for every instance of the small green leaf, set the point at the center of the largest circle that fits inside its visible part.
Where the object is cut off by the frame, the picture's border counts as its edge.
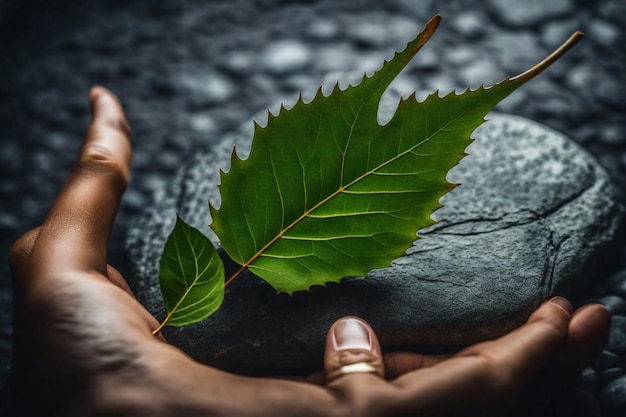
(191, 276)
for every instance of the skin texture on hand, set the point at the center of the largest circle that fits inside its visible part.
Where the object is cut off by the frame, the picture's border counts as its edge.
(83, 346)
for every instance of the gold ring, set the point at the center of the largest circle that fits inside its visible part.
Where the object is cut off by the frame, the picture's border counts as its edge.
(359, 367)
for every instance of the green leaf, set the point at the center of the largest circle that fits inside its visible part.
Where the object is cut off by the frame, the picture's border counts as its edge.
(327, 192)
(191, 276)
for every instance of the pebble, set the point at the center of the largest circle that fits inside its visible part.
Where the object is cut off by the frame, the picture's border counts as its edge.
(286, 56)
(133, 199)
(611, 10)
(615, 304)
(337, 58)
(610, 375)
(470, 24)
(323, 30)
(617, 340)
(479, 72)
(516, 52)
(613, 135)
(555, 33)
(368, 33)
(589, 379)
(238, 63)
(205, 88)
(202, 122)
(604, 33)
(613, 398)
(616, 284)
(7, 220)
(610, 91)
(517, 13)
(581, 76)
(579, 403)
(377, 31)
(11, 157)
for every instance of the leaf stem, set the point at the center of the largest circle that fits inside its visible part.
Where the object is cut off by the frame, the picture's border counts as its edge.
(163, 323)
(550, 59)
(235, 275)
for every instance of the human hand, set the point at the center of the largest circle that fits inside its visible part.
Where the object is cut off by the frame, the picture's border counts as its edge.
(83, 345)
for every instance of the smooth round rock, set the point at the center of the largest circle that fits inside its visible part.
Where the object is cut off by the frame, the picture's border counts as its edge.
(615, 304)
(579, 403)
(529, 12)
(607, 360)
(532, 215)
(617, 339)
(613, 398)
(589, 380)
(616, 283)
(610, 375)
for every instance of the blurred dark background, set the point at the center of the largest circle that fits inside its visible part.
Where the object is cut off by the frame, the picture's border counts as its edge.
(187, 71)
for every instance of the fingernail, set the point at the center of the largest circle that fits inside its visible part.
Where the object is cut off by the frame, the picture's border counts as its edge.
(351, 334)
(563, 303)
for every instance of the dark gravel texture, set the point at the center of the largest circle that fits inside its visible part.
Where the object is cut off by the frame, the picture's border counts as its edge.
(188, 71)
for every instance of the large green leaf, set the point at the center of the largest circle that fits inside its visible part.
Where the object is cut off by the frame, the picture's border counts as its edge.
(327, 192)
(191, 276)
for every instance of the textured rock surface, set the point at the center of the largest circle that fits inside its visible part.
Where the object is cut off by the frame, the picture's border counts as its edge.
(533, 210)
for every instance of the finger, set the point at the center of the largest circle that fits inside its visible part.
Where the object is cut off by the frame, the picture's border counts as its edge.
(395, 365)
(399, 363)
(352, 348)
(76, 232)
(117, 279)
(21, 249)
(588, 335)
(525, 349)
(490, 372)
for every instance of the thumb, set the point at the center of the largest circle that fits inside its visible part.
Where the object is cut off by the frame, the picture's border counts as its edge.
(352, 348)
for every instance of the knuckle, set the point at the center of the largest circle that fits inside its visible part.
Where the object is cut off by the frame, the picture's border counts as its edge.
(501, 381)
(22, 247)
(361, 399)
(555, 327)
(498, 379)
(100, 160)
(118, 125)
(351, 357)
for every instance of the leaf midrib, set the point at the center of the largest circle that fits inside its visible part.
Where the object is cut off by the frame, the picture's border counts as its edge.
(195, 280)
(342, 188)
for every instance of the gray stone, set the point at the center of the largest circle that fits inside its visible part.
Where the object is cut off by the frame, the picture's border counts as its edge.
(589, 379)
(286, 56)
(613, 398)
(617, 339)
(323, 30)
(604, 33)
(470, 24)
(615, 304)
(616, 283)
(532, 211)
(517, 13)
(609, 375)
(578, 403)
(607, 360)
